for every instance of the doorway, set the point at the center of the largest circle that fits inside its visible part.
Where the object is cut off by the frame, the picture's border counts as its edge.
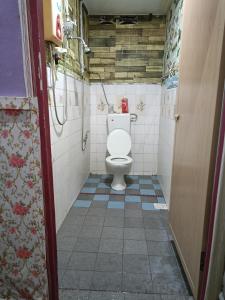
(112, 244)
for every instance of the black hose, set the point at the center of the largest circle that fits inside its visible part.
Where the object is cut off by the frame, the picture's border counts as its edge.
(53, 92)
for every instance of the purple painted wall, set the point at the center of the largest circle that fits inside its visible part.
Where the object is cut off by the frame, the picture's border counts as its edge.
(11, 60)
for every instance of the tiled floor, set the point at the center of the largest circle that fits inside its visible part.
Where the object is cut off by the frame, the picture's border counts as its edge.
(116, 246)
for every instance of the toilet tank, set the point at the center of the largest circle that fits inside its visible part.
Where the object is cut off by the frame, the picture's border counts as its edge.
(119, 121)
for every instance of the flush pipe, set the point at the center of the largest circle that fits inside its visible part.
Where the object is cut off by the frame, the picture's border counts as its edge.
(84, 136)
(83, 44)
(110, 106)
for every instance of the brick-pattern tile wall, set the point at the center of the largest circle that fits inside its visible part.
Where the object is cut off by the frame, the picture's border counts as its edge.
(127, 53)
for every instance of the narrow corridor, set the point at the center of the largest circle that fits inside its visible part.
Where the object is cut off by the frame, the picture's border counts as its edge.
(116, 245)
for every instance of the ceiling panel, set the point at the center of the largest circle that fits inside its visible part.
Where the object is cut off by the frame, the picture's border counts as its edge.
(127, 7)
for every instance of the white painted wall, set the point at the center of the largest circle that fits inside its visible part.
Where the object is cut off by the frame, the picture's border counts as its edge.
(166, 140)
(70, 165)
(144, 132)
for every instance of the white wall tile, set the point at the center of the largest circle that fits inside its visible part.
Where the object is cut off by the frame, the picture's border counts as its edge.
(70, 165)
(166, 140)
(144, 133)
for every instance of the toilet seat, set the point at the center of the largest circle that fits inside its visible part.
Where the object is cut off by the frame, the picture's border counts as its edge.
(119, 160)
(119, 143)
(118, 163)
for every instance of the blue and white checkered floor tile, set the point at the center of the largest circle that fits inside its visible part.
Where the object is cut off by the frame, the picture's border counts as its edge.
(141, 192)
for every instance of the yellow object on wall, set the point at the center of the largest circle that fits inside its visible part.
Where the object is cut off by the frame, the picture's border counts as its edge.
(53, 21)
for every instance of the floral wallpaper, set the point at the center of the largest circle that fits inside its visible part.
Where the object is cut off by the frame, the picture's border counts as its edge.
(23, 272)
(173, 43)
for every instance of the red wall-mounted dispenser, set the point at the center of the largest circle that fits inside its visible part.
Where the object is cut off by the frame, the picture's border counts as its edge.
(124, 105)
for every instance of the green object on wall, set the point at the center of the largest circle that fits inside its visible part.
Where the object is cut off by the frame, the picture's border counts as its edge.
(173, 38)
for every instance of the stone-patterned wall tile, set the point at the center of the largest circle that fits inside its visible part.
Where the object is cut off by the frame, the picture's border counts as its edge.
(127, 53)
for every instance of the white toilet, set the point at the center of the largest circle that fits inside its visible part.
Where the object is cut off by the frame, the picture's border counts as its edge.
(119, 146)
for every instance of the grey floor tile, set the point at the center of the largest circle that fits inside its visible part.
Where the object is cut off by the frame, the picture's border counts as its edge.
(69, 230)
(94, 221)
(80, 237)
(90, 232)
(160, 248)
(133, 223)
(60, 294)
(134, 234)
(66, 243)
(138, 283)
(113, 192)
(115, 212)
(109, 262)
(134, 206)
(148, 199)
(78, 211)
(116, 198)
(132, 192)
(136, 263)
(157, 235)
(154, 223)
(133, 213)
(129, 296)
(107, 281)
(151, 213)
(61, 273)
(97, 212)
(106, 296)
(130, 181)
(147, 186)
(135, 247)
(166, 265)
(169, 233)
(73, 221)
(82, 261)
(63, 258)
(99, 204)
(111, 246)
(112, 233)
(89, 185)
(113, 221)
(176, 297)
(102, 191)
(74, 295)
(87, 245)
(85, 197)
(169, 285)
(164, 214)
(77, 280)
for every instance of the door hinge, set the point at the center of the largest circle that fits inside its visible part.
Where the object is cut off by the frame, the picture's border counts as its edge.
(202, 261)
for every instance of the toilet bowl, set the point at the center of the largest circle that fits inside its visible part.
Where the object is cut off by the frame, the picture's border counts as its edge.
(118, 163)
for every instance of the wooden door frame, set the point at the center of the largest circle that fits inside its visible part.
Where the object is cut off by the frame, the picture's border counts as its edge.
(209, 260)
(36, 29)
(216, 180)
(39, 77)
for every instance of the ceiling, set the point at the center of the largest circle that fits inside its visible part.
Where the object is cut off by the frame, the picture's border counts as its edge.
(127, 7)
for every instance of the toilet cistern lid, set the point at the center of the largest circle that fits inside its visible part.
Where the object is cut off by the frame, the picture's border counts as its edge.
(119, 142)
